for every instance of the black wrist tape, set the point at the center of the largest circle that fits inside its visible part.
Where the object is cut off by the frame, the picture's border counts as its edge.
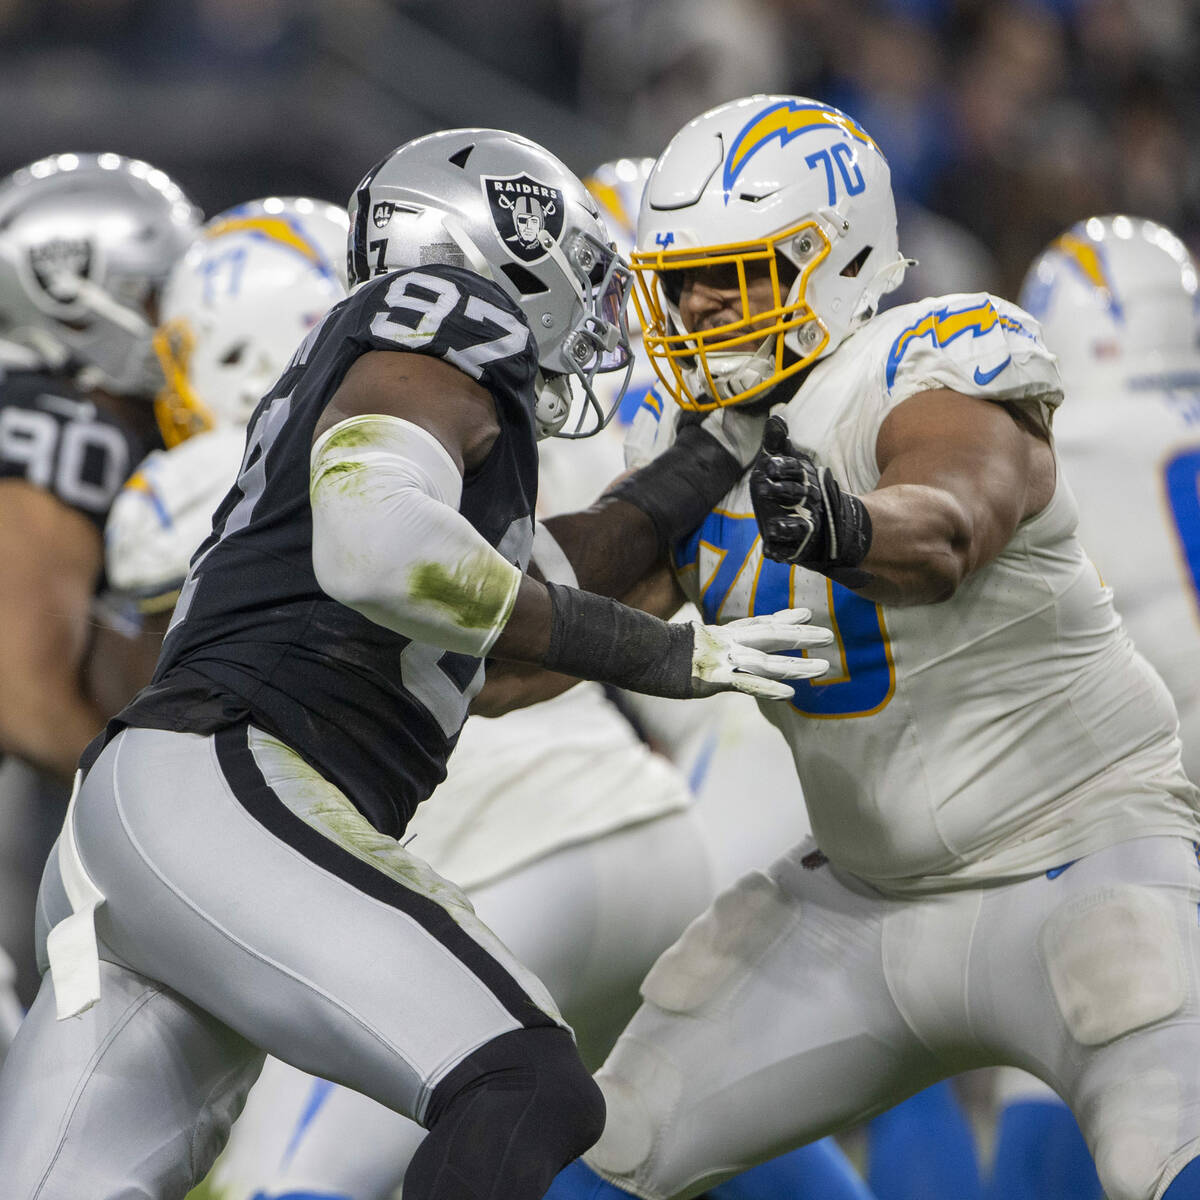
(593, 637)
(679, 488)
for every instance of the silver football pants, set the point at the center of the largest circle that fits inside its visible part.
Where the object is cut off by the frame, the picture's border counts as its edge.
(249, 908)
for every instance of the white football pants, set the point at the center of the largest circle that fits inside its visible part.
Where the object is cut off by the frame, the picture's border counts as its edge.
(803, 1001)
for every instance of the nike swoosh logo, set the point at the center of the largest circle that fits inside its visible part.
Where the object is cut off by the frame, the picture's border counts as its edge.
(983, 378)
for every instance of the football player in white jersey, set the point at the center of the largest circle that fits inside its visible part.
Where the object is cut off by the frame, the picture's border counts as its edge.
(1116, 299)
(575, 843)
(1004, 867)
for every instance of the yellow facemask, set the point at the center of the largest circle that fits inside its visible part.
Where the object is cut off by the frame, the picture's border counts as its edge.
(180, 413)
(682, 360)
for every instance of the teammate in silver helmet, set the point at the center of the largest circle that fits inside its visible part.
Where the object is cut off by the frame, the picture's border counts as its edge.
(85, 242)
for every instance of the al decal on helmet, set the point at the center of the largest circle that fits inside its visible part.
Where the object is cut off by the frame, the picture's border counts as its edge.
(522, 208)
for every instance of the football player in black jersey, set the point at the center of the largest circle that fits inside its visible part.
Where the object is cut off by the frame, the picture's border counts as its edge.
(85, 242)
(229, 879)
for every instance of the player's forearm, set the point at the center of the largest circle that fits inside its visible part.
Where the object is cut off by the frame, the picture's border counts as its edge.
(624, 537)
(921, 548)
(611, 546)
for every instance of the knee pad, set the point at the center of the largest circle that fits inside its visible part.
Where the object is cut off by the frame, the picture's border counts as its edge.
(529, 1079)
(642, 1089)
(1132, 1130)
(1115, 962)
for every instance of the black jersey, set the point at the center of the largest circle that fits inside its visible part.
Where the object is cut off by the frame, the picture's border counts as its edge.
(255, 638)
(58, 440)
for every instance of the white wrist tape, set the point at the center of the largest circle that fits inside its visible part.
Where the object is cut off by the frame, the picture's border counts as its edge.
(390, 543)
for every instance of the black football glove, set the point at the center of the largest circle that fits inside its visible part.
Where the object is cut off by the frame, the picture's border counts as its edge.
(803, 515)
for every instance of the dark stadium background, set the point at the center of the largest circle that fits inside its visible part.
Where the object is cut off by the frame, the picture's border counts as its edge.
(1007, 118)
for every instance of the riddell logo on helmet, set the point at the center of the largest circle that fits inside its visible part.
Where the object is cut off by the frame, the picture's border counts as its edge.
(56, 265)
(522, 209)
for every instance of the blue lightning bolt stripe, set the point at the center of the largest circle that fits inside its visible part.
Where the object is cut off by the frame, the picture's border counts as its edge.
(785, 120)
(942, 326)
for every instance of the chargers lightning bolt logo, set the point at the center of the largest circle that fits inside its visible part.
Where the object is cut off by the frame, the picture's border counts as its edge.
(944, 325)
(785, 121)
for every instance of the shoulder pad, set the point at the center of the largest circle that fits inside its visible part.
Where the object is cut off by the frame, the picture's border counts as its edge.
(164, 512)
(978, 345)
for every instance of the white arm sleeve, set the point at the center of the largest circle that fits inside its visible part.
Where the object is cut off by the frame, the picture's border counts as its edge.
(390, 543)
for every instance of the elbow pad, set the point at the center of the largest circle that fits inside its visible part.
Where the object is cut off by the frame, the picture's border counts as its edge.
(389, 541)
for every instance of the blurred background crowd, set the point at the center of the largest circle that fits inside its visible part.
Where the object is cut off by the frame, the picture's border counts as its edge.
(1003, 120)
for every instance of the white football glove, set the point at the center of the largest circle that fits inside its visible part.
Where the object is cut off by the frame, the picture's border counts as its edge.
(743, 656)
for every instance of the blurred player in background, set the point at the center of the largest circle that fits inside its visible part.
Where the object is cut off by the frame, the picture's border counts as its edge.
(1004, 867)
(579, 847)
(217, 894)
(251, 286)
(1117, 300)
(86, 241)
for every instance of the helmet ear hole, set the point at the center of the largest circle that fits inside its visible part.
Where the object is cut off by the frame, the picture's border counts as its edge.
(855, 265)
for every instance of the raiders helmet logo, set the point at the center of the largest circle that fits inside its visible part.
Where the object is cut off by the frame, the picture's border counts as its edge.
(56, 264)
(522, 210)
(381, 214)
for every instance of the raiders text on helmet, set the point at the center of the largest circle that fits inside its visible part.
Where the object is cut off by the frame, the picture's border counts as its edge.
(787, 183)
(500, 205)
(86, 241)
(252, 284)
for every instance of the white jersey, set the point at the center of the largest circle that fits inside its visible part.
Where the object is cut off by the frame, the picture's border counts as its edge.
(1129, 439)
(1004, 732)
(518, 786)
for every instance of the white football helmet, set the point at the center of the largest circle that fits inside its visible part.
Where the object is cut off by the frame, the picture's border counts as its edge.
(1113, 287)
(783, 180)
(86, 241)
(501, 206)
(256, 279)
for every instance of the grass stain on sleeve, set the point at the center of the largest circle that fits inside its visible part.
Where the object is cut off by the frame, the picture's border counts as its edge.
(477, 592)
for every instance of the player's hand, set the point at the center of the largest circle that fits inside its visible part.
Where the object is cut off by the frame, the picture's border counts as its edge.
(744, 656)
(803, 515)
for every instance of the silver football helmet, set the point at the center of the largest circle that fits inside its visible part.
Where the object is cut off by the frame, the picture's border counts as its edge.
(86, 241)
(501, 206)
